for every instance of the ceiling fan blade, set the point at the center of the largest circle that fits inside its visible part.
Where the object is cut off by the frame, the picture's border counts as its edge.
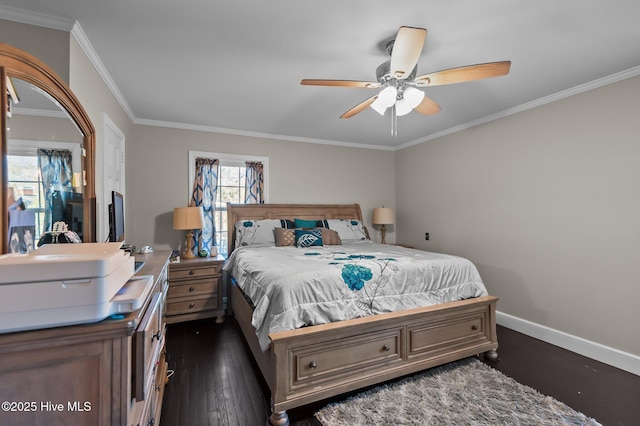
(406, 51)
(427, 107)
(359, 108)
(341, 83)
(464, 74)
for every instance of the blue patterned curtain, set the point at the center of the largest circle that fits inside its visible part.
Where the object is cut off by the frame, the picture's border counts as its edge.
(254, 183)
(205, 188)
(57, 173)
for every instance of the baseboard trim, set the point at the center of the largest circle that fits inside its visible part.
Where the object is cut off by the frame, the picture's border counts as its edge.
(614, 357)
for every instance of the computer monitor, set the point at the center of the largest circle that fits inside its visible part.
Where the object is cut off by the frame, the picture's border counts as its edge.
(116, 217)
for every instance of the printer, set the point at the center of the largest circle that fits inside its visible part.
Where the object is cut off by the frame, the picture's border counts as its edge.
(66, 284)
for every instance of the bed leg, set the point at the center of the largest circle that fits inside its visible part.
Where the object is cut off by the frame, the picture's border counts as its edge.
(492, 355)
(280, 418)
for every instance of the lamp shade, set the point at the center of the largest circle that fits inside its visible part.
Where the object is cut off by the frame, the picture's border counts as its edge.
(188, 218)
(411, 98)
(383, 216)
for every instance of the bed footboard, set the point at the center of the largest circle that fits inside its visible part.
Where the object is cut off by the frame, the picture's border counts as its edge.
(314, 363)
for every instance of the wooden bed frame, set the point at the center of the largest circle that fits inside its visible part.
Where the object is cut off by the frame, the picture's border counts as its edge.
(318, 362)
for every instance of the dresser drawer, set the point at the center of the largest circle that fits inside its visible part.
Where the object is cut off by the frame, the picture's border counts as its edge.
(192, 305)
(206, 286)
(186, 271)
(148, 341)
(345, 358)
(429, 339)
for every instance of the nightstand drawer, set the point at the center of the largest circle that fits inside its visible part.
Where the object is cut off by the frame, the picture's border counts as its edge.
(200, 287)
(193, 305)
(180, 272)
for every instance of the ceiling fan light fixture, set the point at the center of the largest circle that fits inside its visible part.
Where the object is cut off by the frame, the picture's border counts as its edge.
(403, 107)
(378, 107)
(411, 98)
(386, 98)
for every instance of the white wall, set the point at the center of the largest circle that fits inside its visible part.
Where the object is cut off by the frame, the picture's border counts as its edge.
(157, 169)
(546, 203)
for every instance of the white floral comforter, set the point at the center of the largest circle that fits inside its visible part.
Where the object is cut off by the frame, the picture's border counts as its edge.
(292, 287)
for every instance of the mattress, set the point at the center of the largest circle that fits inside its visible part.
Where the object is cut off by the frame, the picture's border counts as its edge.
(293, 287)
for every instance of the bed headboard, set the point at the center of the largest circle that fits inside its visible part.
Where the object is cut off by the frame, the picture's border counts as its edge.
(236, 212)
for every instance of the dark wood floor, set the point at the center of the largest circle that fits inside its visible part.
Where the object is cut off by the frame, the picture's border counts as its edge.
(216, 382)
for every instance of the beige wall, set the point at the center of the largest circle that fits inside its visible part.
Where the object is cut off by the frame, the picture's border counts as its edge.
(545, 202)
(157, 181)
(97, 99)
(50, 46)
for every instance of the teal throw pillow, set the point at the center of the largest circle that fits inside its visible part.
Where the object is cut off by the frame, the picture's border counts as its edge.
(307, 224)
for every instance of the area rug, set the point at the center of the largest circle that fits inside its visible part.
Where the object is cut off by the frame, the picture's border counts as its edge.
(466, 392)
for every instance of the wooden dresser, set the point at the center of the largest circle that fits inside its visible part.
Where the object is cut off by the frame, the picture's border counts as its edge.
(107, 373)
(195, 289)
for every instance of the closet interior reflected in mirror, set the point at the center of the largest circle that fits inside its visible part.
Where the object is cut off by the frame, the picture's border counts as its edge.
(47, 147)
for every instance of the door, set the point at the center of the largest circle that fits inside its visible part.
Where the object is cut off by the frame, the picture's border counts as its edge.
(114, 171)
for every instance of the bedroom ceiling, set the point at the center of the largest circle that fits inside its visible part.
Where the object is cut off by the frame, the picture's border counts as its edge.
(236, 67)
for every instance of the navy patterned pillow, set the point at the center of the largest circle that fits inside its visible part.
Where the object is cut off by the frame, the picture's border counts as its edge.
(308, 237)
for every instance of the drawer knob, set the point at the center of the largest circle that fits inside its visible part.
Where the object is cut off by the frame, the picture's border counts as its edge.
(313, 365)
(157, 335)
(192, 305)
(386, 348)
(191, 272)
(191, 289)
(474, 327)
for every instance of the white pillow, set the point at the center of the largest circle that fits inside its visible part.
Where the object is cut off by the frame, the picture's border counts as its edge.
(257, 233)
(348, 229)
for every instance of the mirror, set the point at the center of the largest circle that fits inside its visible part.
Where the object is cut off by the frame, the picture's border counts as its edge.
(48, 155)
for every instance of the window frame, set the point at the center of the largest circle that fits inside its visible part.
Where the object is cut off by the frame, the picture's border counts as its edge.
(29, 148)
(233, 160)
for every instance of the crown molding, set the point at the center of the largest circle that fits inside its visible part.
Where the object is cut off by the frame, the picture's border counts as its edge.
(78, 33)
(74, 27)
(40, 112)
(39, 19)
(613, 78)
(221, 130)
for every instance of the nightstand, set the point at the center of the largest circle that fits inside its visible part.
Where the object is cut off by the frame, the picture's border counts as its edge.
(195, 290)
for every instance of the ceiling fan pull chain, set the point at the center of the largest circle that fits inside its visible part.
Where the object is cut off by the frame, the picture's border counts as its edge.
(394, 122)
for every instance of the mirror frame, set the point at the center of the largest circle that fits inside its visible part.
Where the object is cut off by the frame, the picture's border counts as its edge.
(22, 65)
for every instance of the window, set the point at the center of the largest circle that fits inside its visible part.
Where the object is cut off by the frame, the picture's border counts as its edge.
(25, 181)
(231, 187)
(23, 174)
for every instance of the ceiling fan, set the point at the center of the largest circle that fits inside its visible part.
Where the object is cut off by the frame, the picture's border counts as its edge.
(400, 86)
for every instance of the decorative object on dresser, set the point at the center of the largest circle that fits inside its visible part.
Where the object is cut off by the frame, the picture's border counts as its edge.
(188, 219)
(383, 216)
(195, 289)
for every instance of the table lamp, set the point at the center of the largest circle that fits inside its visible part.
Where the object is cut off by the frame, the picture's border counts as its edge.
(188, 218)
(383, 216)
